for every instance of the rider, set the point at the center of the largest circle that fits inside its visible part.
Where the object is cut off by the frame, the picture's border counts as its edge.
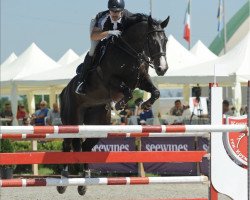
(105, 24)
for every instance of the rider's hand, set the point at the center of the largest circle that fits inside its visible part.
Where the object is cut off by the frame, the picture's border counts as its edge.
(116, 33)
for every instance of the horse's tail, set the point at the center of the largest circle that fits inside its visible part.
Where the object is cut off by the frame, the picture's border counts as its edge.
(65, 102)
(63, 108)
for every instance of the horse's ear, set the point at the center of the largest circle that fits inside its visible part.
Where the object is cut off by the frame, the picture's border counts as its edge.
(150, 20)
(165, 23)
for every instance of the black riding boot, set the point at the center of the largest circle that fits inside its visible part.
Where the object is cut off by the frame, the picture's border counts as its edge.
(81, 85)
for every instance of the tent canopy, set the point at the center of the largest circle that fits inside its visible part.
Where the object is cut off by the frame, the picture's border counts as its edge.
(32, 60)
(69, 57)
(9, 60)
(229, 68)
(56, 76)
(202, 52)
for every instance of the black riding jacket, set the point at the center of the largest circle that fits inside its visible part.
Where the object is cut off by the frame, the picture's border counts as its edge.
(105, 23)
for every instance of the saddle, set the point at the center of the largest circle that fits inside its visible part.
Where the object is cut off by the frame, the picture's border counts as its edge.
(98, 55)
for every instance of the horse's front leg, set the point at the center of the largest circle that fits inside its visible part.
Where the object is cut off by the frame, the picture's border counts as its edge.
(147, 85)
(127, 92)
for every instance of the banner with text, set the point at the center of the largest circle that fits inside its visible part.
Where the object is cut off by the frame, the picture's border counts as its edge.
(169, 144)
(115, 144)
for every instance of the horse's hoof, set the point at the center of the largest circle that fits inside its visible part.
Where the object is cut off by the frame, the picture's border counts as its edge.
(61, 189)
(81, 190)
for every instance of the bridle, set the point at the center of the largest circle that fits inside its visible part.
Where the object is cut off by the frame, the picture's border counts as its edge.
(153, 55)
(141, 56)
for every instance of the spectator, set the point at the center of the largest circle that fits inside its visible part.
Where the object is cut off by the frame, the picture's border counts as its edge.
(7, 114)
(39, 116)
(246, 111)
(144, 115)
(178, 108)
(21, 112)
(54, 117)
(225, 108)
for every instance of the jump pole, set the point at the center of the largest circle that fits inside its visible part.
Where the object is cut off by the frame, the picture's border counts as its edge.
(99, 130)
(101, 181)
(16, 136)
(100, 157)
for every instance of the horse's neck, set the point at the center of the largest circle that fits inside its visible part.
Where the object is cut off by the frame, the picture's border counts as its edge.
(136, 34)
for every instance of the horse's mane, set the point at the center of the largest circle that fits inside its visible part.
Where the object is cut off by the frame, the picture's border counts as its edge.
(137, 18)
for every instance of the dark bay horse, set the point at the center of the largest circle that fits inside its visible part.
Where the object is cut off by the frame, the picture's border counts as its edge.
(123, 68)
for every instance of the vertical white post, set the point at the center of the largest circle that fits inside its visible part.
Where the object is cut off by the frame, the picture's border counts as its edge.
(248, 144)
(186, 93)
(226, 176)
(14, 102)
(34, 148)
(31, 103)
(52, 98)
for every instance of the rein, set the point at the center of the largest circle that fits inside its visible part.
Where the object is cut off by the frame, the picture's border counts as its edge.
(141, 56)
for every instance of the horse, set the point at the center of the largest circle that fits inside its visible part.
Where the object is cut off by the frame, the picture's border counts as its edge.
(123, 67)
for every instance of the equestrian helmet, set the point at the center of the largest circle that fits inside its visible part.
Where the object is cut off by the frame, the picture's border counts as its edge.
(116, 5)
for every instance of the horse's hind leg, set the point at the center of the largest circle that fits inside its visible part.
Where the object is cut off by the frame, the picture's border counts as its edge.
(69, 117)
(93, 116)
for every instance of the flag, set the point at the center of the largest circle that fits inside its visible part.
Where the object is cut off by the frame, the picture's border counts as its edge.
(186, 35)
(220, 16)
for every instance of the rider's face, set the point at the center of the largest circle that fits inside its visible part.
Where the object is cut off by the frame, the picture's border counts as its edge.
(115, 15)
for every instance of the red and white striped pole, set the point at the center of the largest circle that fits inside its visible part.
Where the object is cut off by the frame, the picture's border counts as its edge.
(99, 130)
(101, 181)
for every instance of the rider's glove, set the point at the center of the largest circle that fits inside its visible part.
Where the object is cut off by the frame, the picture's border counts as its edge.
(116, 33)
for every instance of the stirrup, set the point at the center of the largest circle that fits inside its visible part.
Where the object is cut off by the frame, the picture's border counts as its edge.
(78, 88)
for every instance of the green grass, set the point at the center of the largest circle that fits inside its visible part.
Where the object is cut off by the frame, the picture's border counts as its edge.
(45, 171)
(151, 175)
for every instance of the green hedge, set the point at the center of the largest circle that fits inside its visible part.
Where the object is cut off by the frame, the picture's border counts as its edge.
(21, 146)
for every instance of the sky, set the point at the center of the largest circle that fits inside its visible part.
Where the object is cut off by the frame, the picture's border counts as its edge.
(58, 25)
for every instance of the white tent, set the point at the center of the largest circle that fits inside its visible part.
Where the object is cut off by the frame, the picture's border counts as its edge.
(229, 68)
(9, 60)
(202, 52)
(69, 57)
(55, 76)
(32, 60)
